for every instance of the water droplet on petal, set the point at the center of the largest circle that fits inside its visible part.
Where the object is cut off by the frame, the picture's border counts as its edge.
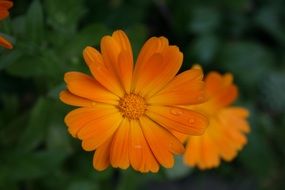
(200, 98)
(191, 121)
(176, 111)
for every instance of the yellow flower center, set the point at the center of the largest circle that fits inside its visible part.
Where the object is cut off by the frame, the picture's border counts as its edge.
(132, 106)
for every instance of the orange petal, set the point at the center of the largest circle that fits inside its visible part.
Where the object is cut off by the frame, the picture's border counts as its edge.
(118, 57)
(110, 50)
(4, 7)
(224, 145)
(237, 111)
(213, 82)
(125, 59)
(180, 136)
(140, 156)
(178, 119)
(209, 154)
(99, 71)
(236, 117)
(125, 70)
(221, 89)
(119, 155)
(5, 4)
(124, 43)
(151, 70)
(3, 42)
(101, 157)
(158, 71)
(193, 151)
(161, 142)
(226, 96)
(73, 100)
(78, 118)
(84, 86)
(201, 151)
(186, 88)
(152, 46)
(97, 131)
(3, 14)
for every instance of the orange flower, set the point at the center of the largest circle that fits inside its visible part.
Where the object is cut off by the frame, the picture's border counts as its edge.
(4, 7)
(226, 134)
(127, 112)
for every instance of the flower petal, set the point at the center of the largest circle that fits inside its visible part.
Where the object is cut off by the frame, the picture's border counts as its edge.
(193, 151)
(99, 71)
(125, 70)
(73, 100)
(185, 88)
(161, 142)
(101, 158)
(5, 4)
(118, 57)
(119, 154)
(3, 42)
(202, 151)
(125, 59)
(140, 156)
(84, 86)
(209, 154)
(178, 119)
(78, 118)
(221, 89)
(4, 7)
(225, 146)
(97, 131)
(236, 117)
(158, 71)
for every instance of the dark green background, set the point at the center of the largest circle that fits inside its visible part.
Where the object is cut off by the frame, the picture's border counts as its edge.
(245, 37)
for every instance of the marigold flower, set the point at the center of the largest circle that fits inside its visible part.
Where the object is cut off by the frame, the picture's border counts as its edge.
(127, 112)
(226, 133)
(5, 5)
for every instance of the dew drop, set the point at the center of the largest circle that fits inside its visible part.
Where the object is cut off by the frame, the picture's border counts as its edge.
(200, 98)
(176, 111)
(191, 121)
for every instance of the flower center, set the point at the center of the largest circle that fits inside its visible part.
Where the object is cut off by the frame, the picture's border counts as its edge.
(132, 106)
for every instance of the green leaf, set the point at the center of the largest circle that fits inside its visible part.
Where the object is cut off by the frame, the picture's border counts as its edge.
(36, 128)
(9, 58)
(205, 48)
(270, 20)
(26, 166)
(64, 15)
(35, 22)
(204, 20)
(258, 157)
(29, 66)
(138, 35)
(242, 57)
(83, 185)
(88, 36)
(272, 96)
(46, 64)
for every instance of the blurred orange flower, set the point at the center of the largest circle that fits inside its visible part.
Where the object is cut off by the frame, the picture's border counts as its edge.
(5, 5)
(127, 112)
(227, 130)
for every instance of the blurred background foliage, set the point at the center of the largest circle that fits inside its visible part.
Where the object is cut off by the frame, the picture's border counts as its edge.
(245, 37)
